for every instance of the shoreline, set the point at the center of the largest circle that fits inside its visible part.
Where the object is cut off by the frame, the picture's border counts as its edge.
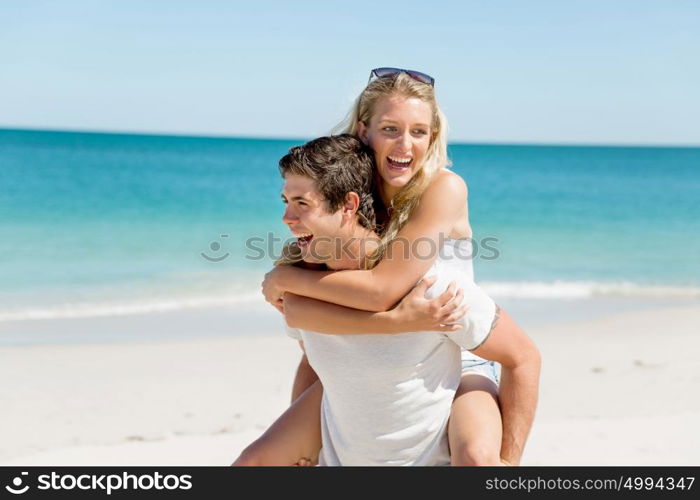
(256, 317)
(615, 390)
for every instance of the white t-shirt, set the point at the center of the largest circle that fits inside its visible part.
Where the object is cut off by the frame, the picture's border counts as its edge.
(387, 397)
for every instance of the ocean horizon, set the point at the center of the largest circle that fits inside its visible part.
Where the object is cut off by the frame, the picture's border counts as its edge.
(99, 224)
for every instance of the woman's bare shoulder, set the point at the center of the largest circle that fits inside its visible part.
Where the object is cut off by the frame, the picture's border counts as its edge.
(447, 183)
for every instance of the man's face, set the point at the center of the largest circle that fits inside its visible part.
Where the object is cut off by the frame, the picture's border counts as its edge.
(307, 216)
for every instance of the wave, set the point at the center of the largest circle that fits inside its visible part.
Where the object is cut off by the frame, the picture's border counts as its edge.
(586, 289)
(98, 309)
(497, 289)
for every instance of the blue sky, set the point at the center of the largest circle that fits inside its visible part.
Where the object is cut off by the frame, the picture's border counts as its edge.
(507, 71)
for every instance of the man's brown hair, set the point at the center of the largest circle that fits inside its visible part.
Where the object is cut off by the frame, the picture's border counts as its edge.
(338, 165)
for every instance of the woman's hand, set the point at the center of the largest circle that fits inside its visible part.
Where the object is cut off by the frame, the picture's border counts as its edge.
(272, 287)
(305, 462)
(416, 313)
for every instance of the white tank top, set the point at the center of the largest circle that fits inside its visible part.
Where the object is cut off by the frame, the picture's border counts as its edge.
(455, 263)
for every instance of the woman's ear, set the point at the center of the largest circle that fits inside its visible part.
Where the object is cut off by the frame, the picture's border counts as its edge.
(362, 133)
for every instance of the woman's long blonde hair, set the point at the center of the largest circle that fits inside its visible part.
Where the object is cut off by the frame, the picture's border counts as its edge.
(405, 201)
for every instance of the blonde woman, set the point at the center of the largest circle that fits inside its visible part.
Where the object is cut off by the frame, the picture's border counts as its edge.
(423, 207)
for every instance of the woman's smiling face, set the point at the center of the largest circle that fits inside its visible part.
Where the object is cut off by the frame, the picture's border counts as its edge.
(399, 133)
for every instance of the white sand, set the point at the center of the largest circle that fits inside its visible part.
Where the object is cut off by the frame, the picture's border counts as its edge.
(620, 390)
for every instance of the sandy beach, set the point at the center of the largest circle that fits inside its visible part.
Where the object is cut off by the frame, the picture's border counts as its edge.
(616, 390)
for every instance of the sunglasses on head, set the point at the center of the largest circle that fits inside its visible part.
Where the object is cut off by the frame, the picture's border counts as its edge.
(392, 72)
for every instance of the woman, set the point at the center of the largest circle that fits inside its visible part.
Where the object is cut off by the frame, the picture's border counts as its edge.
(398, 117)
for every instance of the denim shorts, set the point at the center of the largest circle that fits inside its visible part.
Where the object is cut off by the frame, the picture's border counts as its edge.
(488, 369)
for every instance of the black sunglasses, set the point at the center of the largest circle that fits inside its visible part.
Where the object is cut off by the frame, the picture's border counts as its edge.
(391, 72)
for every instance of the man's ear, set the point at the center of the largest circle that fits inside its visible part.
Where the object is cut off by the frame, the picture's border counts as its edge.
(351, 204)
(362, 133)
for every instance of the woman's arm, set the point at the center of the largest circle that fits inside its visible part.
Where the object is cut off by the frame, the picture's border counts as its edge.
(408, 257)
(414, 313)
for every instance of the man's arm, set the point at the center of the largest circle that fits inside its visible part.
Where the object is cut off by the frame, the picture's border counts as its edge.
(305, 376)
(520, 360)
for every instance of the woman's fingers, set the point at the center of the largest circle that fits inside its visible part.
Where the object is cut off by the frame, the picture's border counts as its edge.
(450, 328)
(449, 323)
(456, 316)
(424, 284)
(452, 305)
(455, 302)
(448, 294)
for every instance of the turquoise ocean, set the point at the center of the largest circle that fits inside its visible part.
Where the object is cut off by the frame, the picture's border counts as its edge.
(95, 224)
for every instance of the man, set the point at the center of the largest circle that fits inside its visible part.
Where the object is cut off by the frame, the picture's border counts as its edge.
(386, 396)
